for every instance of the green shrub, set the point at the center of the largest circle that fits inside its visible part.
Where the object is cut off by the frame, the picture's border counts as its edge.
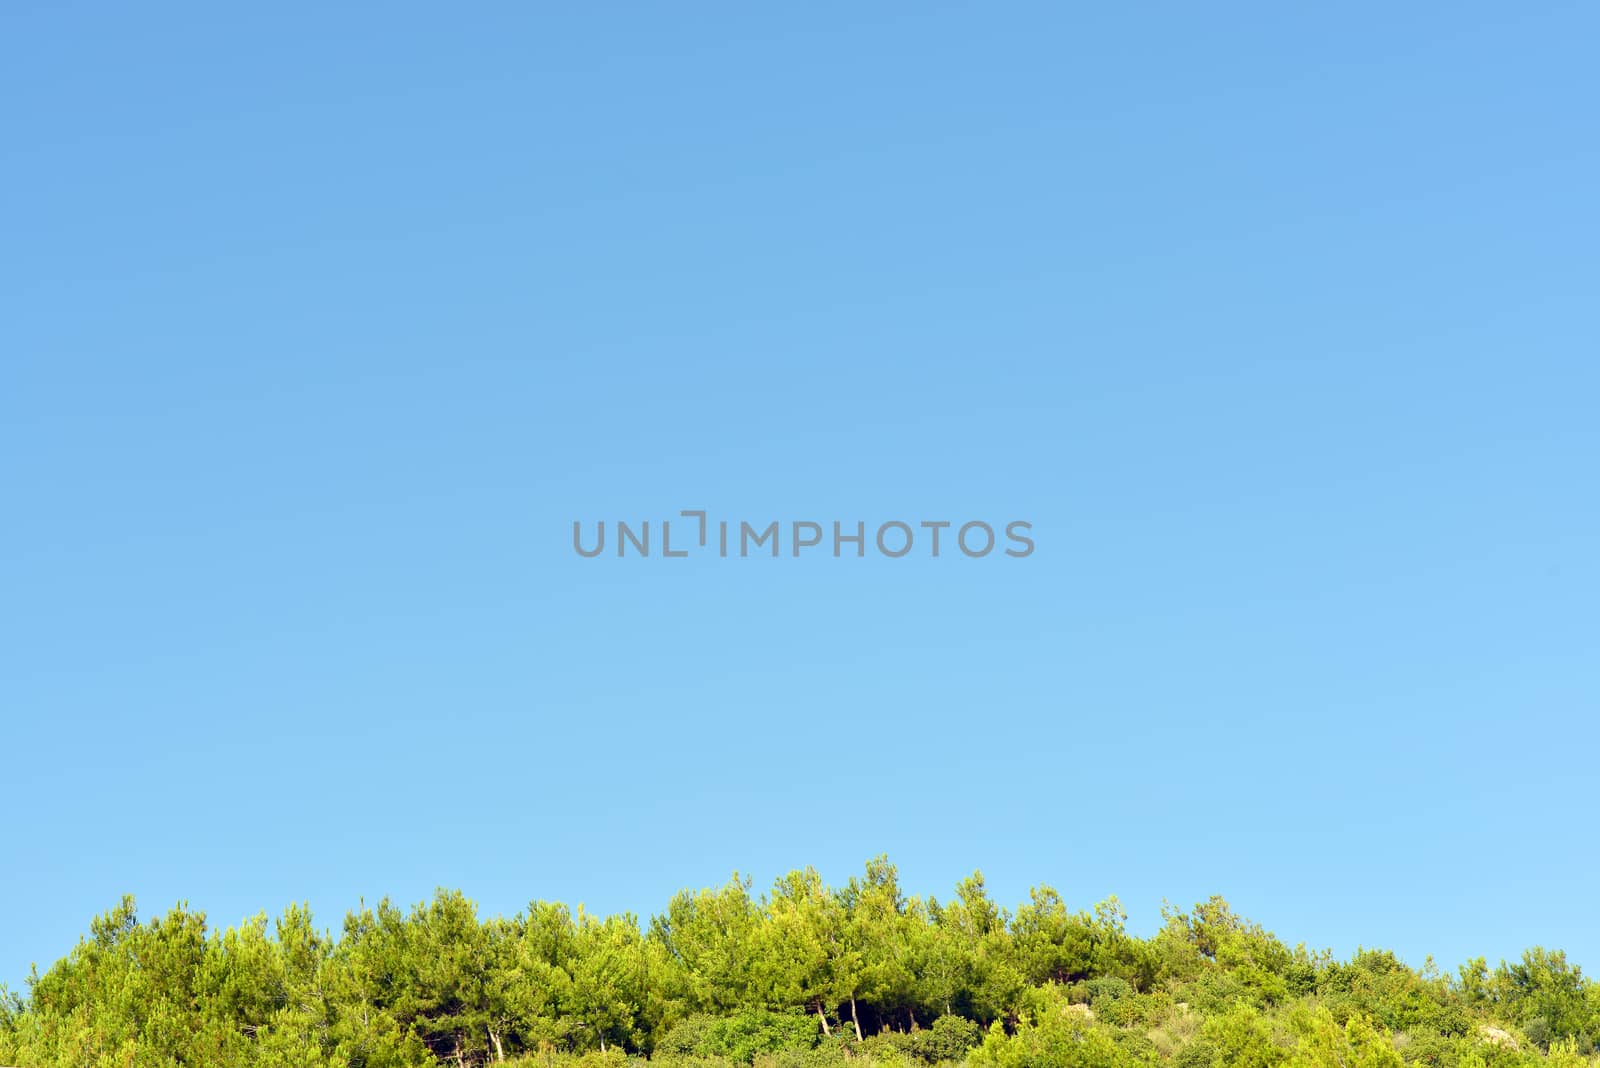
(948, 1040)
(740, 1038)
(1055, 1040)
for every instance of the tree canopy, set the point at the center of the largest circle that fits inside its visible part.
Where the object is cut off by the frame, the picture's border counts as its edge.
(802, 976)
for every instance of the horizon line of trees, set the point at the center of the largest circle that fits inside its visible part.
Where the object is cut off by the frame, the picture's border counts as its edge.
(808, 972)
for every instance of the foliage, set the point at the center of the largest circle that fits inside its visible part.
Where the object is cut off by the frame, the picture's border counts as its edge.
(803, 976)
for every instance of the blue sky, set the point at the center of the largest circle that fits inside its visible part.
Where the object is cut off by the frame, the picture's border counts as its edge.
(322, 327)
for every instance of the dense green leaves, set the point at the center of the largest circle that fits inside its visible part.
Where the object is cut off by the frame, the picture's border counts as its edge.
(804, 976)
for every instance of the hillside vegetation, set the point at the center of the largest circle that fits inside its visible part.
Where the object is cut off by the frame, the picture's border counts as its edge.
(804, 976)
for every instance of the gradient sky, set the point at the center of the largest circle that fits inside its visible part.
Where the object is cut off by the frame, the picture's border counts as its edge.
(322, 326)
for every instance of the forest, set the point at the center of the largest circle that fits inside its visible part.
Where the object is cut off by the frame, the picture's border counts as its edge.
(805, 975)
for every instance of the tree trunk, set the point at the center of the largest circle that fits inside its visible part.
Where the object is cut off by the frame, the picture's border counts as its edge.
(824, 1019)
(499, 1050)
(853, 1018)
(912, 1016)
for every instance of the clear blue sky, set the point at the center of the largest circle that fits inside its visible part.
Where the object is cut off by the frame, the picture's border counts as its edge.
(321, 327)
